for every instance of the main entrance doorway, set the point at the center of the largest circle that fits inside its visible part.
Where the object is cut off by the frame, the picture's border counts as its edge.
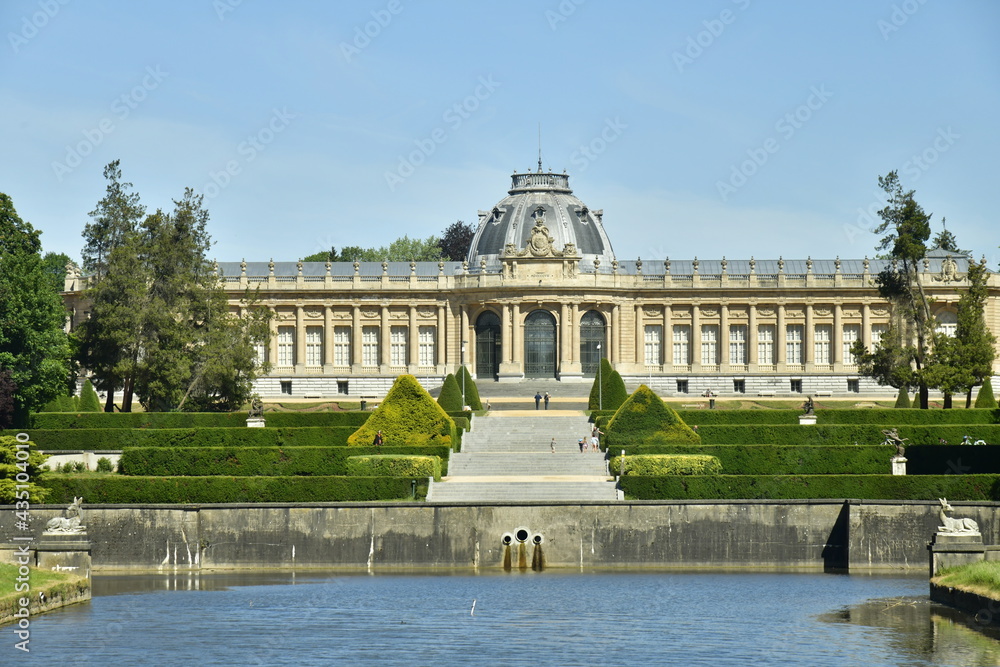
(592, 343)
(540, 345)
(488, 346)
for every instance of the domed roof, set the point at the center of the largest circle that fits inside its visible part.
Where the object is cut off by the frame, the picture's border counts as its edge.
(544, 196)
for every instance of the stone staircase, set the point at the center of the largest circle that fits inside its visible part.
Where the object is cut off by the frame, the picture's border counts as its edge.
(507, 457)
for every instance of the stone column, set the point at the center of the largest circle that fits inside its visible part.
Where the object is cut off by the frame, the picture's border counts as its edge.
(511, 367)
(384, 341)
(837, 351)
(272, 346)
(866, 326)
(300, 339)
(640, 338)
(779, 338)
(752, 336)
(668, 338)
(696, 337)
(441, 340)
(615, 353)
(356, 339)
(809, 340)
(413, 342)
(327, 339)
(570, 365)
(724, 337)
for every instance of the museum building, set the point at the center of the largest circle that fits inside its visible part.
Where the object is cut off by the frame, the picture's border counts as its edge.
(541, 294)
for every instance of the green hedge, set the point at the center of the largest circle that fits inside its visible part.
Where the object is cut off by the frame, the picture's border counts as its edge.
(778, 487)
(898, 416)
(791, 459)
(119, 489)
(846, 434)
(736, 417)
(56, 420)
(666, 464)
(110, 438)
(388, 465)
(260, 461)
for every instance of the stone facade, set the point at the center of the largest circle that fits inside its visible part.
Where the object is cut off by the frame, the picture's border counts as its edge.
(541, 294)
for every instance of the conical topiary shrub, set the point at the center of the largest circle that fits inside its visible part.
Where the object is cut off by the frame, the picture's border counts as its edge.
(985, 397)
(471, 390)
(89, 402)
(407, 416)
(902, 399)
(450, 398)
(644, 419)
(611, 392)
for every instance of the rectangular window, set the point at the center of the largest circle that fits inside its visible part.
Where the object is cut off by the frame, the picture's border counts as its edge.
(793, 344)
(878, 330)
(427, 336)
(795, 386)
(765, 344)
(654, 335)
(738, 344)
(710, 344)
(314, 346)
(852, 334)
(286, 387)
(260, 354)
(854, 386)
(286, 346)
(821, 343)
(739, 386)
(369, 346)
(342, 346)
(343, 387)
(398, 346)
(682, 386)
(682, 344)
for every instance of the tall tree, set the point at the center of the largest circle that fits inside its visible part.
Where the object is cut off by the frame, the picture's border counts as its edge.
(903, 355)
(946, 240)
(116, 215)
(34, 350)
(403, 249)
(55, 264)
(455, 241)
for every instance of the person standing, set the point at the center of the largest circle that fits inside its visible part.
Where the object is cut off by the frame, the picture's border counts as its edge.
(538, 399)
(547, 397)
(378, 439)
(552, 445)
(580, 442)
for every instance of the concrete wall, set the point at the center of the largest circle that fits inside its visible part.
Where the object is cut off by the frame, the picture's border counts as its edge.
(810, 534)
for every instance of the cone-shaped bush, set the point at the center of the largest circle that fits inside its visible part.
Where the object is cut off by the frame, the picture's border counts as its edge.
(471, 390)
(89, 402)
(407, 416)
(644, 419)
(611, 393)
(985, 397)
(450, 398)
(903, 399)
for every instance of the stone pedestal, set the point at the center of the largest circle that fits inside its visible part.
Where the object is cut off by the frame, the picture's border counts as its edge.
(63, 553)
(807, 419)
(255, 422)
(952, 549)
(510, 372)
(898, 465)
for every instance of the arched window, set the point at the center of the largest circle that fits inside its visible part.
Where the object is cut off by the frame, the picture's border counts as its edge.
(540, 344)
(947, 322)
(488, 345)
(593, 345)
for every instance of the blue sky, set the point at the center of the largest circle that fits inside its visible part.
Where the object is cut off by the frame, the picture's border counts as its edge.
(719, 128)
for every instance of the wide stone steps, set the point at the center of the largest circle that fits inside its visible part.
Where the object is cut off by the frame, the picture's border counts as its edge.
(527, 464)
(494, 491)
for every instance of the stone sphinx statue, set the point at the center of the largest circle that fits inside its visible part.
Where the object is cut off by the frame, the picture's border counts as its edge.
(69, 524)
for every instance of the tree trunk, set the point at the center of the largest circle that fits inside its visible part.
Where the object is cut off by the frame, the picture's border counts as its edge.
(109, 405)
(127, 395)
(968, 399)
(947, 400)
(924, 396)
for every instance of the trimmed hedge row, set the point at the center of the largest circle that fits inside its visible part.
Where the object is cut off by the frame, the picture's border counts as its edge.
(91, 420)
(892, 416)
(778, 487)
(260, 461)
(846, 434)
(667, 464)
(119, 489)
(792, 459)
(111, 438)
(387, 465)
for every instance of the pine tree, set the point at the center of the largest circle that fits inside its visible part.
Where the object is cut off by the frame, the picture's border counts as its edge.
(450, 398)
(611, 392)
(986, 398)
(902, 399)
(89, 401)
(471, 390)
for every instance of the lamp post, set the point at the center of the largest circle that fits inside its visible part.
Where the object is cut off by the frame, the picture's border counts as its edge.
(600, 387)
(463, 374)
